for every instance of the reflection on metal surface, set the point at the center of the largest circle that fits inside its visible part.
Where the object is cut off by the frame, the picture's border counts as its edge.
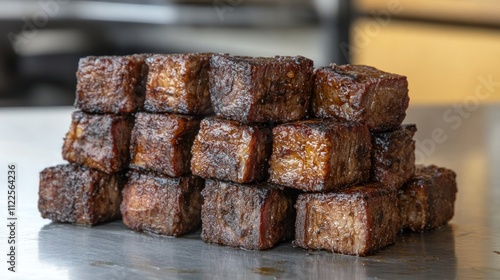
(113, 250)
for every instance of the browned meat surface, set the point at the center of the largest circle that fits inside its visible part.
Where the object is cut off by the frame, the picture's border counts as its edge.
(72, 193)
(98, 141)
(162, 205)
(178, 83)
(427, 200)
(393, 156)
(360, 93)
(162, 143)
(253, 216)
(228, 150)
(320, 155)
(354, 221)
(110, 84)
(249, 90)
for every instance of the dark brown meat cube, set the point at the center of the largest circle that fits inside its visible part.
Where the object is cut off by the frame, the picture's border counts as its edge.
(427, 200)
(360, 93)
(162, 205)
(228, 150)
(72, 193)
(255, 216)
(178, 83)
(354, 221)
(393, 156)
(98, 141)
(249, 90)
(320, 155)
(162, 143)
(110, 84)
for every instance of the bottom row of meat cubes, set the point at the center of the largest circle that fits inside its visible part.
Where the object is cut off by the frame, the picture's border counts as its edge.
(356, 220)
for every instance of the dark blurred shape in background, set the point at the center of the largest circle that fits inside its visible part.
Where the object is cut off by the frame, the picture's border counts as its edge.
(41, 41)
(449, 49)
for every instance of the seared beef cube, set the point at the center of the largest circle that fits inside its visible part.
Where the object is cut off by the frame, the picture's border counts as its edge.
(228, 150)
(362, 94)
(320, 155)
(162, 205)
(110, 84)
(98, 141)
(354, 221)
(162, 143)
(255, 216)
(249, 90)
(427, 200)
(393, 156)
(178, 83)
(72, 193)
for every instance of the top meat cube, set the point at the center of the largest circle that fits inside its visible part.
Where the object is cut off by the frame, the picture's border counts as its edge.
(252, 90)
(110, 84)
(178, 83)
(362, 94)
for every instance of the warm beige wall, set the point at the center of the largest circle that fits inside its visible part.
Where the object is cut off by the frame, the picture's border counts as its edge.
(443, 63)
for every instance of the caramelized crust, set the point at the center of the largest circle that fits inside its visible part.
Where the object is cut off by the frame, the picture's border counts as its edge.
(110, 84)
(178, 83)
(362, 94)
(320, 155)
(162, 143)
(72, 193)
(228, 150)
(249, 90)
(253, 216)
(162, 205)
(393, 156)
(98, 141)
(355, 221)
(427, 200)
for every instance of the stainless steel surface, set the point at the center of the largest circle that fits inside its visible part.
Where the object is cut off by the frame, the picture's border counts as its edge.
(469, 247)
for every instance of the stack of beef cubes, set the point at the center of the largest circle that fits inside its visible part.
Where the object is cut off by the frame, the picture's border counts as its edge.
(355, 162)
(161, 196)
(232, 150)
(256, 150)
(87, 191)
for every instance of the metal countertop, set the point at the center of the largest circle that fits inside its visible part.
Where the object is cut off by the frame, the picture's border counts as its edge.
(469, 247)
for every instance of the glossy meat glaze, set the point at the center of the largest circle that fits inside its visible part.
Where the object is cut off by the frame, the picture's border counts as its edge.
(320, 155)
(257, 89)
(250, 216)
(162, 205)
(99, 141)
(356, 220)
(110, 84)
(362, 94)
(162, 143)
(71, 193)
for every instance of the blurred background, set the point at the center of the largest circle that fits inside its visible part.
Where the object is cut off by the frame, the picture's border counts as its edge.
(449, 49)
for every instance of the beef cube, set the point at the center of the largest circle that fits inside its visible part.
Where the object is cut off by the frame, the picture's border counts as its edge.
(255, 216)
(250, 90)
(162, 143)
(110, 84)
(362, 94)
(98, 141)
(162, 205)
(393, 156)
(228, 150)
(178, 83)
(427, 200)
(320, 155)
(72, 193)
(356, 220)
